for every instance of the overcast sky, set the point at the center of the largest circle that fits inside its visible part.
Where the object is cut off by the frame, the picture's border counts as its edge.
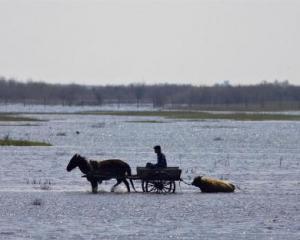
(201, 42)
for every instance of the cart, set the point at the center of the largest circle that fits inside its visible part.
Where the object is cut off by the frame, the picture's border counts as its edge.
(157, 180)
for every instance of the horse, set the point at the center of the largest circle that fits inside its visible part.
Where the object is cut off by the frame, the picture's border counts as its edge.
(105, 169)
(212, 185)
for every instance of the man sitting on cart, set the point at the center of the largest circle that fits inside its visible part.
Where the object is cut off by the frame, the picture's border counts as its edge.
(161, 159)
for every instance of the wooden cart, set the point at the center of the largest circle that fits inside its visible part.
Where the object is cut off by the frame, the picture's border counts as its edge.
(157, 180)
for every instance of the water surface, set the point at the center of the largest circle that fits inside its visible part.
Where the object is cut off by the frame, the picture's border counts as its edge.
(40, 200)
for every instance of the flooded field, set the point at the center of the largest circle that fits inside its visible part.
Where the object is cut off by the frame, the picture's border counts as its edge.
(39, 199)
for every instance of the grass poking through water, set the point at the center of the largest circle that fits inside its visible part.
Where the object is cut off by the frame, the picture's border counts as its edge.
(194, 115)
(145, 121)
(13, 118)
(7, 141)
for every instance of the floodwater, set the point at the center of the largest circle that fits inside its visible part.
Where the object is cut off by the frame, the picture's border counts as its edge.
(39, 199)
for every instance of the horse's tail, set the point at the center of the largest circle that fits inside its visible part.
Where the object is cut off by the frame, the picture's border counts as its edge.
(128, 170)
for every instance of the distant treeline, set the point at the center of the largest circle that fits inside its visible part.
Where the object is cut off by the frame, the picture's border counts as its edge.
(264, 96)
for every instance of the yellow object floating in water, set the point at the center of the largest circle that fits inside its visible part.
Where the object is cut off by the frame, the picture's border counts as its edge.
(212, 185)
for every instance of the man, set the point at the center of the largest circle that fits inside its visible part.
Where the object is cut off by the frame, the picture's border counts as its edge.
(161, 159)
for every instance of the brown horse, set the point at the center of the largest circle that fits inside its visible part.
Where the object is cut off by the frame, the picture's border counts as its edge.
(97, 171)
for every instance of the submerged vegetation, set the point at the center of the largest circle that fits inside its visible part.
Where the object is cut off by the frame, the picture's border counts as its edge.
(168, 114)
(194, 115)
(7, 141)
(13, 118)
(145, 121)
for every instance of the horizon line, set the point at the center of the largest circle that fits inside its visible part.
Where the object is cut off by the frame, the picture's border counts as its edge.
(220, 83)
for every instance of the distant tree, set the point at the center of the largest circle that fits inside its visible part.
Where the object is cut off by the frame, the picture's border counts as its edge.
(139, 91)
(262, 96)
(98, 95)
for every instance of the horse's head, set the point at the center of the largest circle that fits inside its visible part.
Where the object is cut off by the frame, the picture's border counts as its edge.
(74, 162)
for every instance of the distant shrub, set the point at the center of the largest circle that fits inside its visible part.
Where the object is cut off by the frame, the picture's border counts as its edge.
(37, 202)
(7, 141)
(41, 184)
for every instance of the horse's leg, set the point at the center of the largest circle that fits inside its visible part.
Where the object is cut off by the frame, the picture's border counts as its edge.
(118, 182)
(94, 184)
(127, 184)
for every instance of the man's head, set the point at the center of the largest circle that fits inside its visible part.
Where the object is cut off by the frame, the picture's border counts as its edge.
(157, 149)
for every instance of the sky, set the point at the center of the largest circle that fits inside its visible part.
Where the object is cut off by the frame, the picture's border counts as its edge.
(199, 42)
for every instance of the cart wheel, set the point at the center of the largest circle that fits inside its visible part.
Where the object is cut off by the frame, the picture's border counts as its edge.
(144, 186)
(160, 186)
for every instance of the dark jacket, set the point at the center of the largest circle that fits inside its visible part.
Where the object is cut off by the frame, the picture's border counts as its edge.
(161, 160)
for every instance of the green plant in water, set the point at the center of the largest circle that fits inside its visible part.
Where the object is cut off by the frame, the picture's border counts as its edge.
(7, 141)
(11, 118)
(194, 115)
